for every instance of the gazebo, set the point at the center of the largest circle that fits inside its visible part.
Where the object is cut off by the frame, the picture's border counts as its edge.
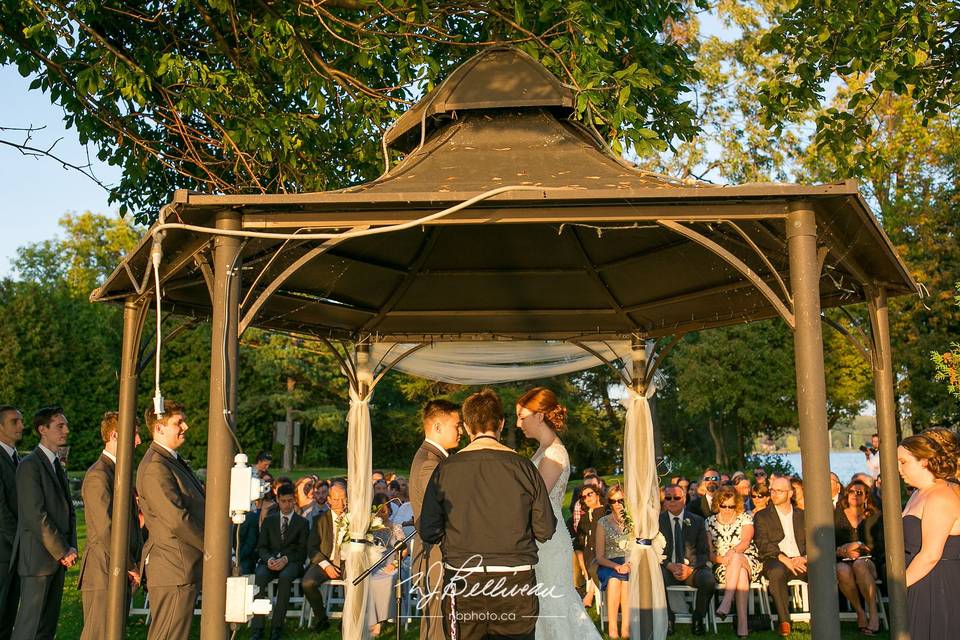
(509, 221)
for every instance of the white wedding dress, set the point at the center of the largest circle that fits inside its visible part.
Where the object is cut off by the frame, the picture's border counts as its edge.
(562, 615)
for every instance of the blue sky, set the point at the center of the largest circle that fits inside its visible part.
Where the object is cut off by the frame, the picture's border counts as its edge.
(37, 191)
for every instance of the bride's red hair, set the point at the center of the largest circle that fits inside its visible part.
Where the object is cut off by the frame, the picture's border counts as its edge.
(542, 400)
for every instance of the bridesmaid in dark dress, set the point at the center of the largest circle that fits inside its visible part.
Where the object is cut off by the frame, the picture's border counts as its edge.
(931, 529)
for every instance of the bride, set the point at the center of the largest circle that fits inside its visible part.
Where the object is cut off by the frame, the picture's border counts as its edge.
(540, 416)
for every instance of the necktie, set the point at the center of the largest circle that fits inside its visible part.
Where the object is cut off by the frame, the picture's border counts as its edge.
(62, 477)
(16, 458)
(677, 541)
(283, 528)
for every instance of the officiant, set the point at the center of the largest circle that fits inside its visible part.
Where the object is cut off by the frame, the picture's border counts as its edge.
(487, 507)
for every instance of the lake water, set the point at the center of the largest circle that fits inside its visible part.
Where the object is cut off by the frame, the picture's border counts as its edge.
(843, 463)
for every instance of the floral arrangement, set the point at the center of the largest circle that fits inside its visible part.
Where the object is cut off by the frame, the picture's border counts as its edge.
(342, 522)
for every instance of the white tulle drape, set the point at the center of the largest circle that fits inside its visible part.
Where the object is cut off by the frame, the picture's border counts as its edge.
(354, 556)
(492, 362)
(642, 492)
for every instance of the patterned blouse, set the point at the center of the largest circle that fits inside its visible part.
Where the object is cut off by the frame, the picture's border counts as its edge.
(614, 539)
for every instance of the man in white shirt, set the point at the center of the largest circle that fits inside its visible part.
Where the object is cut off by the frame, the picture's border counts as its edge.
(323, 552)
(782, 546)
(872, 454)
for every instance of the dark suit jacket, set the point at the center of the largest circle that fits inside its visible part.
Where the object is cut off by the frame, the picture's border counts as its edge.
(97, 492)
(47, 524)
(172, 501)
(295, 545)
(8, 507)
(700, 508)
(695, 548)
(249, 538)
(424, 462)
(320, 542)
(768, 532)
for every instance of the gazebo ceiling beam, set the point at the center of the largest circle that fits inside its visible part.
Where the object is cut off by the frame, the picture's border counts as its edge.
(423, 252)
(261, 299)
(594, 275)
(184, 257)
(466, 313)
(737, 264)
(624, 210)
(642, 255)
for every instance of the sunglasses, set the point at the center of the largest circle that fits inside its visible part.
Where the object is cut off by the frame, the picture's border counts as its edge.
(756, 497)
(857, 492)
(587, 494)
(728, 506)
(620, 501)
(711, 478)
(672, 498)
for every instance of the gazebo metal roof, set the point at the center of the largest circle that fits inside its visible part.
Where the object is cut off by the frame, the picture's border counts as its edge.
(603, 250)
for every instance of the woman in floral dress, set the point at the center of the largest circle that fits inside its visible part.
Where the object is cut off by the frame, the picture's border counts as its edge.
(735, 560)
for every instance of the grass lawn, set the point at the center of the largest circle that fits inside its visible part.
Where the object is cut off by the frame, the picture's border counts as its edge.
(71, 618)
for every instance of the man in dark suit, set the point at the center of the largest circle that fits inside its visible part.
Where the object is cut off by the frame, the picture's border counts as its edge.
(46, 542)
(11, 430)
(283, 550)
(97, 492)
(686, 554)
(441, 431)
(324, 553)
(710, 481)
(782, 546)
(172, 501)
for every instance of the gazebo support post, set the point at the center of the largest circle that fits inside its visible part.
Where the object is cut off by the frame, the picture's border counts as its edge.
(887, 429)
(117, 593)
(220, 450)
(812, 408)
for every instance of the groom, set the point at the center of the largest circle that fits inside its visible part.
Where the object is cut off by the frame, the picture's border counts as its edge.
(487, 507)
(441, 433)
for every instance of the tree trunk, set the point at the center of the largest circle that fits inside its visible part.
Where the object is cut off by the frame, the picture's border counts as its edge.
(719, 455)
(288, 445)
(741, 457)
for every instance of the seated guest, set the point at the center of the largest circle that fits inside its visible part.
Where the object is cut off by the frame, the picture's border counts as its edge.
(401, 510)
(859, 535)
(261, 465)
(584, 541)
(734, 556)
(320, 493)
(693, 492)
(611, 538)
(782, 546)
(306, 505)
(760, 494)
(324, 553)
(249, 538)
(797, 485)
(709, 483)
(283, 550)
(744, 488)
(836, 487)
(686, 554)
(381, 603)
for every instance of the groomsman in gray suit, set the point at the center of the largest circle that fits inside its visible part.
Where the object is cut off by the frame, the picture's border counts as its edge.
(441, 429)
(97, 492)
(11, 430)
(172, 501)
(46, 543)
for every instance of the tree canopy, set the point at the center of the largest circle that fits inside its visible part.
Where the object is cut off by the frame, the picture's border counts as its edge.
(295, 96)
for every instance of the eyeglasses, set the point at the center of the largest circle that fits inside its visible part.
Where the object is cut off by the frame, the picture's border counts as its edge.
(711, 478)
(728, 506)
(612, 501)
(671, 498)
